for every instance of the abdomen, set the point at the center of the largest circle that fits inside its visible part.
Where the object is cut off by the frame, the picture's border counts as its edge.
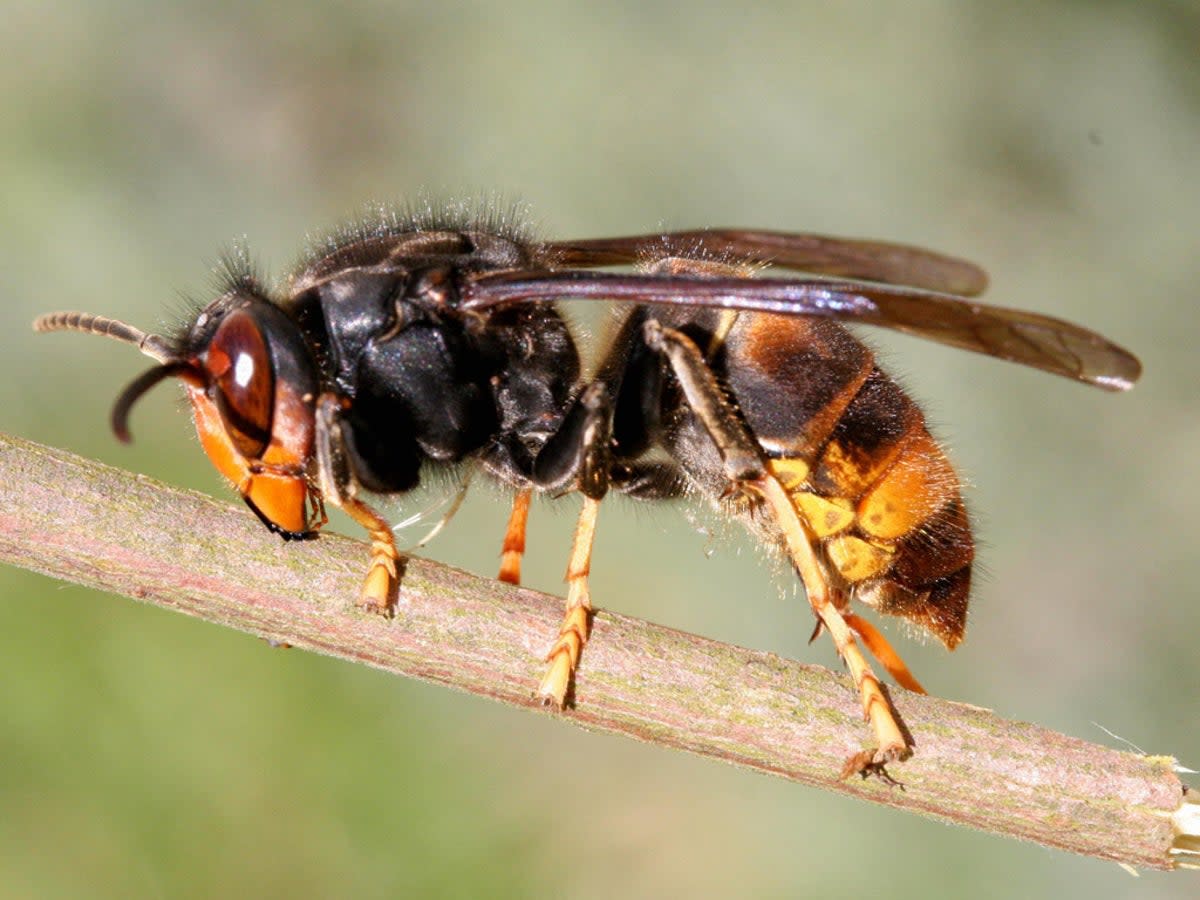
(854, 453)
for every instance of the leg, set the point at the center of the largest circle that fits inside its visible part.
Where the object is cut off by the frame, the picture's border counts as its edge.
(378, 594)
(564, 655)
(652, 481)
(514, 538)
(882, 651)
(800, 543)
(749, 476)
(579, 456)
(338, 486)
(740, 454)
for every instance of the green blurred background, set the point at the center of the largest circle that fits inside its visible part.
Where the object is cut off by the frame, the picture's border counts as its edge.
(1058, 143)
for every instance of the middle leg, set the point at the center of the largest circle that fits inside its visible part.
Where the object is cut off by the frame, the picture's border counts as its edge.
(577, 457)
(514, 538)
(577, 622)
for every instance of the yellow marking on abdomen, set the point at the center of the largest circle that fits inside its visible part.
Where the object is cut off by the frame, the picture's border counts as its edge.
(856, 559)
(789, 471)
(826, 516)
(919, 484)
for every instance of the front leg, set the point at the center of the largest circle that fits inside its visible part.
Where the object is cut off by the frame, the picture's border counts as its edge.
(340, 487)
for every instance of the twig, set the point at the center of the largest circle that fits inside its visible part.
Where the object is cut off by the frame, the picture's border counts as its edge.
(79, 520)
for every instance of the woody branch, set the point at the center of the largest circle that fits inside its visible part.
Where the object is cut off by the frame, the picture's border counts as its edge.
(79, 520)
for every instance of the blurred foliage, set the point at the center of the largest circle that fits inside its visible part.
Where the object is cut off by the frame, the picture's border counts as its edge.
(143, 754)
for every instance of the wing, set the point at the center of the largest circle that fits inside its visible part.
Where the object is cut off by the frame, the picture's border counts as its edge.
(1027, 338)
(872, 260)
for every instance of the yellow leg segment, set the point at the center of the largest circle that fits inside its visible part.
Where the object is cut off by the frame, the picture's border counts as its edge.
(884, 652)
(893, 745)
(514, 538)
(378, 593)
(564, 655)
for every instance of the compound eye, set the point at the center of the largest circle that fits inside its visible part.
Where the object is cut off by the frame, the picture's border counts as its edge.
(239, 364)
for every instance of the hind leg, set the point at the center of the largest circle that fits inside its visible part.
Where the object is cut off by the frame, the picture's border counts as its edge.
(749, 478)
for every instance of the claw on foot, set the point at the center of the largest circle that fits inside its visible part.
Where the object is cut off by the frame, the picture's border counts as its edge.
(866, 763)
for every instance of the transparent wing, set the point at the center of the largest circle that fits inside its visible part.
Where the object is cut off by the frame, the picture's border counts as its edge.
(819, 254)
(1027, 338)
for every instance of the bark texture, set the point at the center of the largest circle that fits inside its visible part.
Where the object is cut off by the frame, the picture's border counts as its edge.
(79, 520)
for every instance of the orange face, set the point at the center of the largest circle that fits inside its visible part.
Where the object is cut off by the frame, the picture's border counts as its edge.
(256, 428)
